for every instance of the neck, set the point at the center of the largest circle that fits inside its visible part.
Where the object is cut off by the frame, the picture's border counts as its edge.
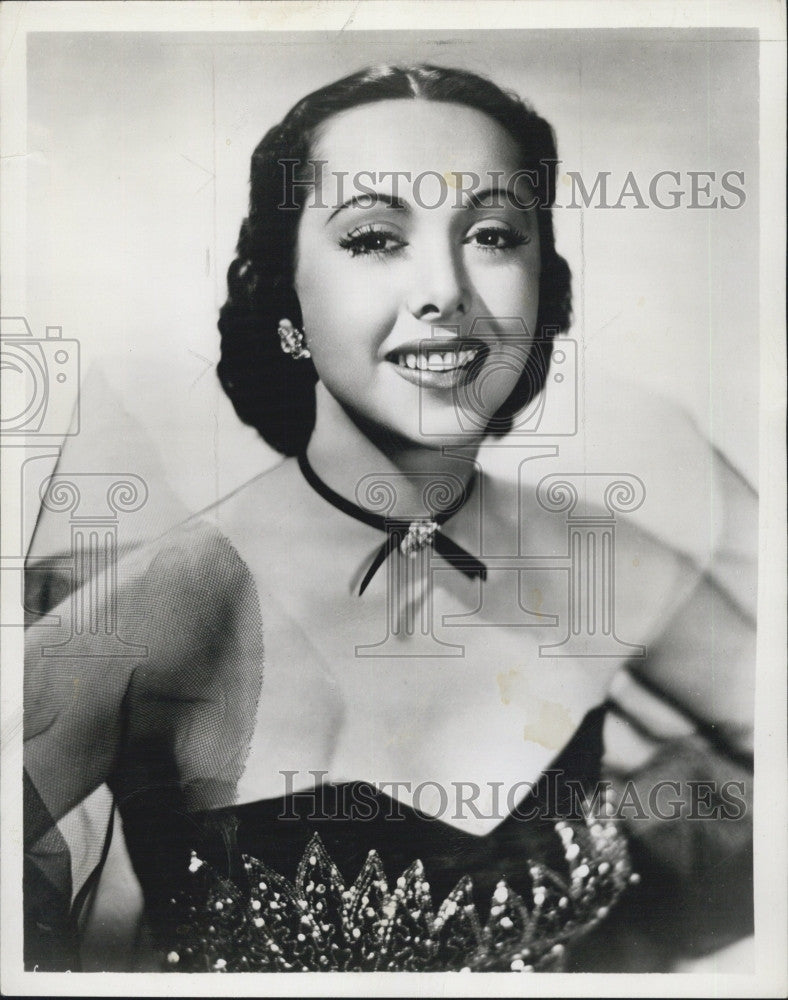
(344, 453)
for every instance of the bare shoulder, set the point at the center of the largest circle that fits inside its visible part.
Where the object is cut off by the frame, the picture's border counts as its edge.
(262, 505)
(675, 511)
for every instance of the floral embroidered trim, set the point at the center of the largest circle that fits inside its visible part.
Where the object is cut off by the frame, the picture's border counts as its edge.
(317, 924)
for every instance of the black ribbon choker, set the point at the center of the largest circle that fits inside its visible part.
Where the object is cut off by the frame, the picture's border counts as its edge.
(408, 536)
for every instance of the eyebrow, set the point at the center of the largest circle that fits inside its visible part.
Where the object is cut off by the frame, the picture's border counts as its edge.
(475, 197)
(370, 200)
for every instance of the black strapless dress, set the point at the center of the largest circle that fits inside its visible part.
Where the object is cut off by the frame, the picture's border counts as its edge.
(270, 885)
(346, 877)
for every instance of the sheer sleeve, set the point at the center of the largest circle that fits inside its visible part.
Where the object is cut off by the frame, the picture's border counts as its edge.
(160, 708)
(680, 748)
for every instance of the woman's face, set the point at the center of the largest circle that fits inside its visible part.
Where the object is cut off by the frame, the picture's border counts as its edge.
(417, 268)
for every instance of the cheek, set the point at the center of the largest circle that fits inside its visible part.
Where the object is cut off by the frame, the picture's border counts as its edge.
(508, 290)
(343, 307)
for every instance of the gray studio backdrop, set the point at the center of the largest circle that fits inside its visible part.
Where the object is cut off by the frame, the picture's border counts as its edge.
(138, 164)
(138, 180)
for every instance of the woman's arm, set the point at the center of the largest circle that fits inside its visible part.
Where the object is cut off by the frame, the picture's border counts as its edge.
(680, 750)
(703, 660)
(165, 702)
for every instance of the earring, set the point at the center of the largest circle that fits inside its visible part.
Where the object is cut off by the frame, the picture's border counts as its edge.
(292, 340)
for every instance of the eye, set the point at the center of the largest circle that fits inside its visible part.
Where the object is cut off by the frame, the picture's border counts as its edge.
(496, 238)
(372, 240)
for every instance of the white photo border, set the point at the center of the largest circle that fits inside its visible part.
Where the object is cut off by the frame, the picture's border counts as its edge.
(771, 816)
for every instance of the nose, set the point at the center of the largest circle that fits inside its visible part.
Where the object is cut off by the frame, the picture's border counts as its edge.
(440, 290)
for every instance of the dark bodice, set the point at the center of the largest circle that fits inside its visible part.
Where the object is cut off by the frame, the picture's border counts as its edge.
(202, 874)
(354, 818)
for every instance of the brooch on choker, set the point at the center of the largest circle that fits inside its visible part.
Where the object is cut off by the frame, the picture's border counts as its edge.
(418, 535)
(409, 536)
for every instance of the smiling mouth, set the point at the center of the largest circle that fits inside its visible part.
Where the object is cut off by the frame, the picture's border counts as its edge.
(428, 359)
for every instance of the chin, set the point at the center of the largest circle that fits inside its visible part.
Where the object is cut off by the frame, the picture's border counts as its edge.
(436, 431)
(442, 426)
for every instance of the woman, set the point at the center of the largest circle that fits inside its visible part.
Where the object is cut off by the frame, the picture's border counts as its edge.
(303, 658)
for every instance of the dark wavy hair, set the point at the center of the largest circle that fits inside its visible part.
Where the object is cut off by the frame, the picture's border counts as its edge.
(270, 390)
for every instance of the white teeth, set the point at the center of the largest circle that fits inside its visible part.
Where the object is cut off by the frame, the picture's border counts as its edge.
(435, 362)
(443, 362)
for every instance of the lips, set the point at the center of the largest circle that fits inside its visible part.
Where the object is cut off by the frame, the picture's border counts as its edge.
(428, 363)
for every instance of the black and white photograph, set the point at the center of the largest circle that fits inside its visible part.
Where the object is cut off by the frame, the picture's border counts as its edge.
(393, 481)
